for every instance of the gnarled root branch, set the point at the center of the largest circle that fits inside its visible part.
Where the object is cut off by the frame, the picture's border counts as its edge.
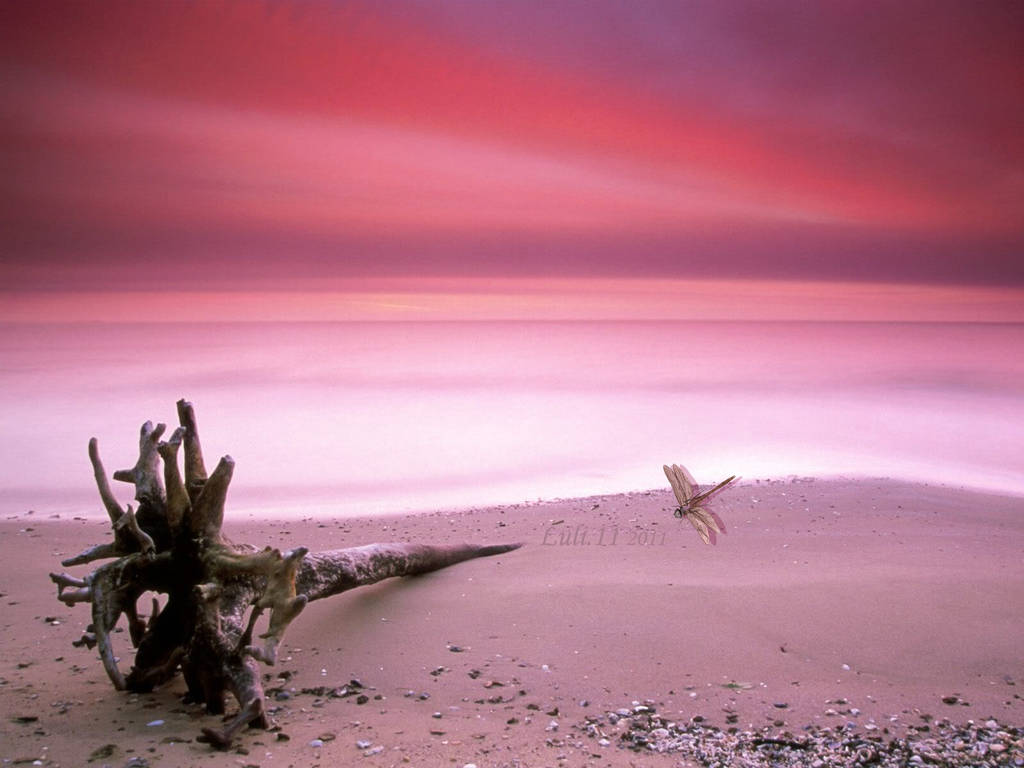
(173, 545)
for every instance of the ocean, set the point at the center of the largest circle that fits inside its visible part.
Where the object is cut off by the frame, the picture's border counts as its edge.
(362, 418)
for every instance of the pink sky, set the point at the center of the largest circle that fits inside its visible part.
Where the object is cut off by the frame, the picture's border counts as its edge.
(258, 153)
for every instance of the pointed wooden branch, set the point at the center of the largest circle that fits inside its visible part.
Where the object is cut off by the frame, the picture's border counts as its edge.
(82, 592)
(127, 534)
(108, 603)
(178, 502)
(195, 469)
(99, 552)
(128, 523)
(114, 510)
(206, 516)
(145, 475)
(323, 574)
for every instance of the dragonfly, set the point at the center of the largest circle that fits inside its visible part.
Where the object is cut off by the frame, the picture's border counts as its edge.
(692, 504)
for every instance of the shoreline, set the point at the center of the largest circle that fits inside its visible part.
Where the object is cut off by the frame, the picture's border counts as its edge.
(303, 503)
(866, 592)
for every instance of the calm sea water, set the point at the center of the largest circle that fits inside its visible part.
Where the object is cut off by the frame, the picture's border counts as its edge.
(340, 418)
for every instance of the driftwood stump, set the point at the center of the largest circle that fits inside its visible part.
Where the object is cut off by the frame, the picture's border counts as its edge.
(173, 545)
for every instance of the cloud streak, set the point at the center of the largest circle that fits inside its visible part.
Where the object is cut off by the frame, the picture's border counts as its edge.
(831, 141)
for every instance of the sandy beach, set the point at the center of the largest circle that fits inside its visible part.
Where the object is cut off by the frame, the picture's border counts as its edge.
(875, 602)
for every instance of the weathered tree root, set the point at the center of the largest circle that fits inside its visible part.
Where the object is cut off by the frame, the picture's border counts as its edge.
(173, 546)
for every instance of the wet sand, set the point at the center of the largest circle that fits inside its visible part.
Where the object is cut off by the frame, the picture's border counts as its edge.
(869, 601)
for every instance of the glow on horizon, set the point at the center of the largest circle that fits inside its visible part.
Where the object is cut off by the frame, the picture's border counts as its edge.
(457, 299)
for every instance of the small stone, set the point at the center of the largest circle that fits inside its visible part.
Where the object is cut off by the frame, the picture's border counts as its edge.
(373, 751)
(154, 723)
(362, 698)
(364, 744)
(780, 705)
(316, 743)
(436, 715)
(950, 699)
(175, 740)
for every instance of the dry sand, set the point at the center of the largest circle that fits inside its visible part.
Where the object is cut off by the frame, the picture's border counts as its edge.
(827, 601)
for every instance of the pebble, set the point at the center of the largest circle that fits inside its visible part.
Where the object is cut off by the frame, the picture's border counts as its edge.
(316, 743)
(363, 744)
(941, 743)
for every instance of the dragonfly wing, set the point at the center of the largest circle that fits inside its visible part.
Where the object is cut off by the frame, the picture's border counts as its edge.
(685, 481)
(702, 529)
(705, 517)
(677, 489)
(689, 478)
